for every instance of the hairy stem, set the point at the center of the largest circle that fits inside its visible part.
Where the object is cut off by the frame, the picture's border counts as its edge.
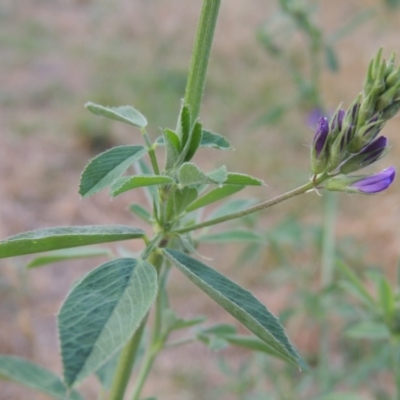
(200, 56)
(265, 204)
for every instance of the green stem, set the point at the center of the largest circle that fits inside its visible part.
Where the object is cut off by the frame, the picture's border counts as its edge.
(328, 256)
(144, 372)
(200, 56)
(130, 351)
(328, 243)
(152, 154)
(265, 204)
(158, 338)
(125, 364)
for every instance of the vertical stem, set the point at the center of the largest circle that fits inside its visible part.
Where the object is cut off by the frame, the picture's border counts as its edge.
(328, 255)
(125, 364)
(200, 56)
(328, 243)
(129, 352)
(144, 372)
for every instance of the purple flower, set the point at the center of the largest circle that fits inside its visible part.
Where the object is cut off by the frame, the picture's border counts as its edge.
(320, 135)
(375, 183)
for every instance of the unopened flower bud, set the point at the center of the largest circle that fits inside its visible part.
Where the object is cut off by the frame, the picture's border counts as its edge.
(388, 97)
(391, 111)
(366, 134)
(367, 156)
(319, 156)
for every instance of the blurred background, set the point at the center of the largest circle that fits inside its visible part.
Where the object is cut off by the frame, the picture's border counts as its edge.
(265, 80)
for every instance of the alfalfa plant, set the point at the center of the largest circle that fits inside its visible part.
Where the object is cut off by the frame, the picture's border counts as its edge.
(106, 313)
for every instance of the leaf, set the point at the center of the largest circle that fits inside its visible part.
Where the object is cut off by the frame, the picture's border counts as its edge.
(218, 175)
(63, 237)
(101, 314)
(214, 195)
(190, 175)
(214, 140)
(124, 184)
(141, 212)
(237, 301)
(104, 169)
(242, 179)
(368, 330)
(173, 148)
(126, 114)
(185, 124)
(68, 254)
(35, 377)
(180, 199)
(194, 141)
(237, 235)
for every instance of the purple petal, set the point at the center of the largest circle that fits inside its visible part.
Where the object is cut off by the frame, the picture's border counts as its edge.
(375, 148)
(320, 135)
(376, 183)
(337, 120)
